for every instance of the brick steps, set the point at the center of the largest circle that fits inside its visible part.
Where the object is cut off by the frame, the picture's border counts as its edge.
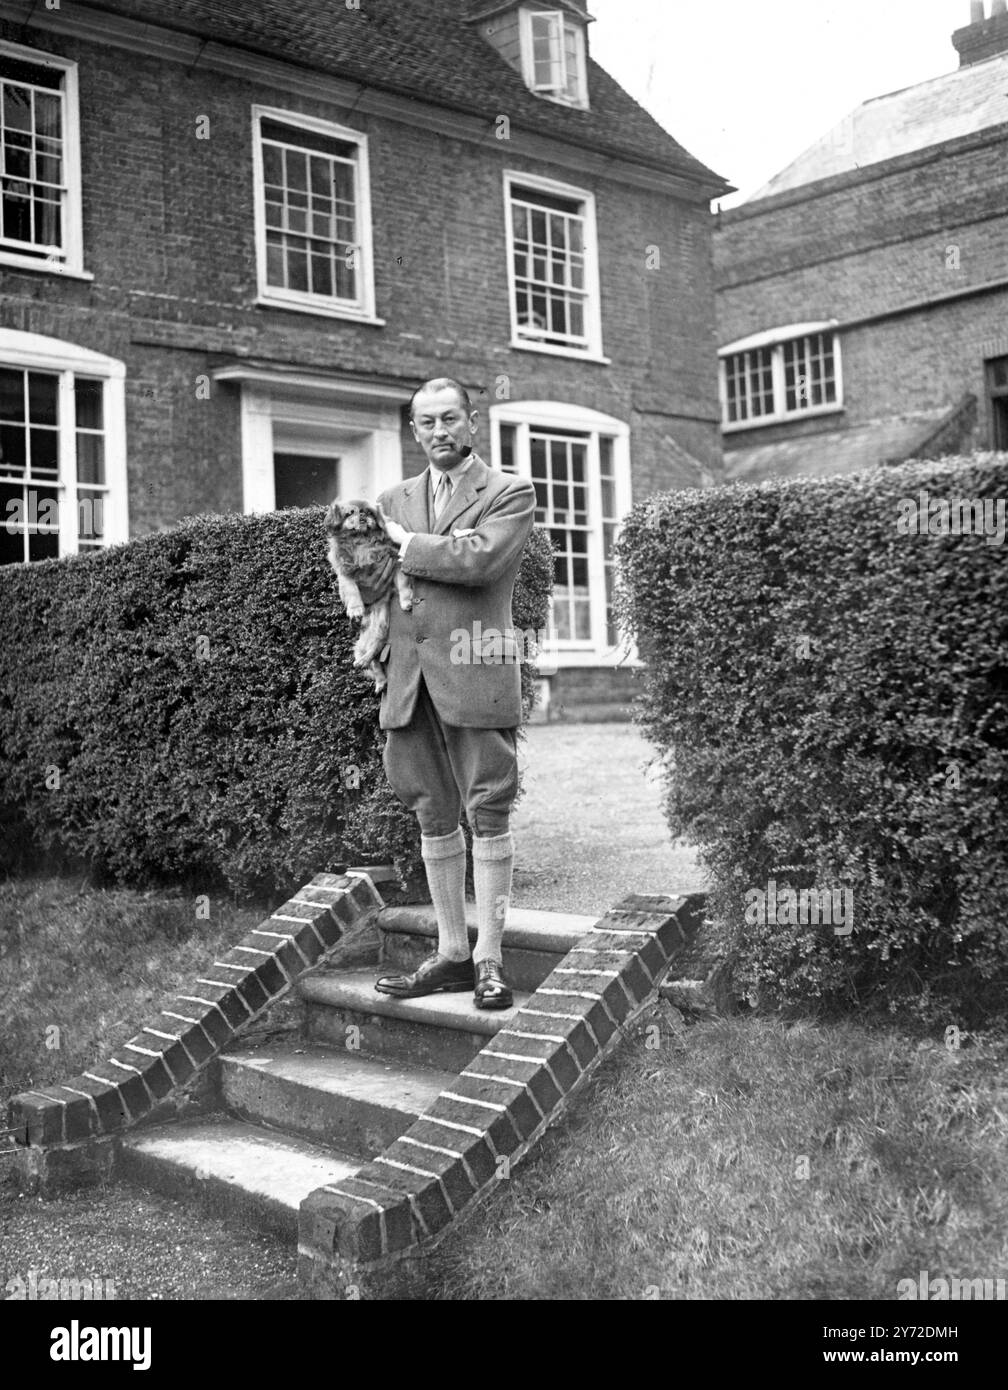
(438, 1030)
(234, 1168)
(374, 1132)
(358, 1105)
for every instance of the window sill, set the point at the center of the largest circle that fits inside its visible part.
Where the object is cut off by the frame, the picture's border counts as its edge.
(319, 311)
(581, 104)
(43, 267)
(791, 418)
(549, 350)
(599, 660)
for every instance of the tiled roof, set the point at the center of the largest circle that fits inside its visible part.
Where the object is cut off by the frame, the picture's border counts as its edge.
(839, 451)
(423, 49)
(960, 103)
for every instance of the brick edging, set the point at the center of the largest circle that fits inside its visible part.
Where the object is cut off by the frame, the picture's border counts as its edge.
(427, 1181)
(199, 1023)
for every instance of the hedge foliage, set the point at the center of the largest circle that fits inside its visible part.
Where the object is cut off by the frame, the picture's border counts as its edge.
(829, 698)
(183, 708)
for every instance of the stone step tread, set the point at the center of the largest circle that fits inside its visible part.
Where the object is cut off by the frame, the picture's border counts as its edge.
(355, 990)
(391, 1084)
(263, 1162)
(526, 929)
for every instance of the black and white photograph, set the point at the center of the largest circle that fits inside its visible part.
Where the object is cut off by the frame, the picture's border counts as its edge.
(504, 690)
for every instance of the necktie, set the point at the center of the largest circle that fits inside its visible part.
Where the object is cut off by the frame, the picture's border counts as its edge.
(443, 495)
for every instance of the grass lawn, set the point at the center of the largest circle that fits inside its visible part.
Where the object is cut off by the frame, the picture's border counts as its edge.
(745, 1159)
(737, 1159)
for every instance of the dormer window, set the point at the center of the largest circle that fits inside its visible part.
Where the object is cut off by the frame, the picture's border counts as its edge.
(554, 60)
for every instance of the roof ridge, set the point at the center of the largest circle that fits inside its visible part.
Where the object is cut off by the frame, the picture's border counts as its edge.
(967, 69)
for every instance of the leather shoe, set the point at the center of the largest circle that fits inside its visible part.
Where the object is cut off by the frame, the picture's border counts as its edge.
(433, 975)
(492, 990)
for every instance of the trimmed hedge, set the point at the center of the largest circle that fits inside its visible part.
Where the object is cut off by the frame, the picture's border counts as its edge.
(183, 708)
(830, 700)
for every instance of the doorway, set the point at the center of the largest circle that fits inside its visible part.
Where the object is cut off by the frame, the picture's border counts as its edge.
(303, 480)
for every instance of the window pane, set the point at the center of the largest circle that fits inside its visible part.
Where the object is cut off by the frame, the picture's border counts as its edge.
(43, 545)
(47, 115)
(297, 269)
(272, 165)
(44, 451)
(11, 504)
(16, 217)
(90, 459)
(13, 448)
(88, 398)
(17, 107)
(90, 516)
(11, 394)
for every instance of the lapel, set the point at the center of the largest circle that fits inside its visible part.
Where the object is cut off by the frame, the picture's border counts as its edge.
(416, 508)
(474, 480)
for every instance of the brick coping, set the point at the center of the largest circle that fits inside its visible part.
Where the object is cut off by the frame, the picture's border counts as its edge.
(408, 1198)
(197, 1025)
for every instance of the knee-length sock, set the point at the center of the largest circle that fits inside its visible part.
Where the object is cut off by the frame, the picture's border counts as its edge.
(444, 859)
(493, 863)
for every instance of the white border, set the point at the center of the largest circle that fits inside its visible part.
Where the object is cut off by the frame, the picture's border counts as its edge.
(32, 350)
(593, 306)
(364, 311)
(72, 264)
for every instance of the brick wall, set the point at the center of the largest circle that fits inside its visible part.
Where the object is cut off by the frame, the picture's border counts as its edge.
(869, 244)
(169, 237)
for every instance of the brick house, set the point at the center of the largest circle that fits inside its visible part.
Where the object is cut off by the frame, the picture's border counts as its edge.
(862, 294)
(235, 237)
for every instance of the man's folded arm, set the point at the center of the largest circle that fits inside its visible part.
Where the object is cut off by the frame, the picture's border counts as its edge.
(482, 556)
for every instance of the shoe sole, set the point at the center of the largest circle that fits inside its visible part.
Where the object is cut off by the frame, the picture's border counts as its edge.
(494, 1004)
(420, 994)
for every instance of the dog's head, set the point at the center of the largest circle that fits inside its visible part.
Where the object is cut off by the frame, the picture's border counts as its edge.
(356, 517)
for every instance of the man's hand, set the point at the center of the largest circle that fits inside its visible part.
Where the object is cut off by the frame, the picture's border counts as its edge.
(397, 534)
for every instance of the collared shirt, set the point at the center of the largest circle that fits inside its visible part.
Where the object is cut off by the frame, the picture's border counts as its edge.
(435, 475)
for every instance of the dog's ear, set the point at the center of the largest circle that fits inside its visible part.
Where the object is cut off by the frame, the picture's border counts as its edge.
(334, 517)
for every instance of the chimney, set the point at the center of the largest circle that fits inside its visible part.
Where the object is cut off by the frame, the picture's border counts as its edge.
(982, 38)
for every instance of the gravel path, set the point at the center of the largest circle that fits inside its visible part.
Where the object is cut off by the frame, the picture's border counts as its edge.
(588, 830)
(590, 827)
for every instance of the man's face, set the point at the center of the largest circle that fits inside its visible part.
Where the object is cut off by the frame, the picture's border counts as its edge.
(441, 427)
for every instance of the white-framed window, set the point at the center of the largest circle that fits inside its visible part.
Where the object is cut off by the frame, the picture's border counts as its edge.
(62, 449)
(784, 374)
(578, 460)
(552, 267)
(40, 177)
(313, 215)
(554, 56)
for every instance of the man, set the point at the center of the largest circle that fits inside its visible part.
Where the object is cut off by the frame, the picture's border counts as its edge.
(452, 707)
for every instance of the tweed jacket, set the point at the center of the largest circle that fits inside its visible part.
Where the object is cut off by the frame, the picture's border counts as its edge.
(460, 634)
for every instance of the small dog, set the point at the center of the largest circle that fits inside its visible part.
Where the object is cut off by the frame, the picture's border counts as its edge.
(365, 560)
